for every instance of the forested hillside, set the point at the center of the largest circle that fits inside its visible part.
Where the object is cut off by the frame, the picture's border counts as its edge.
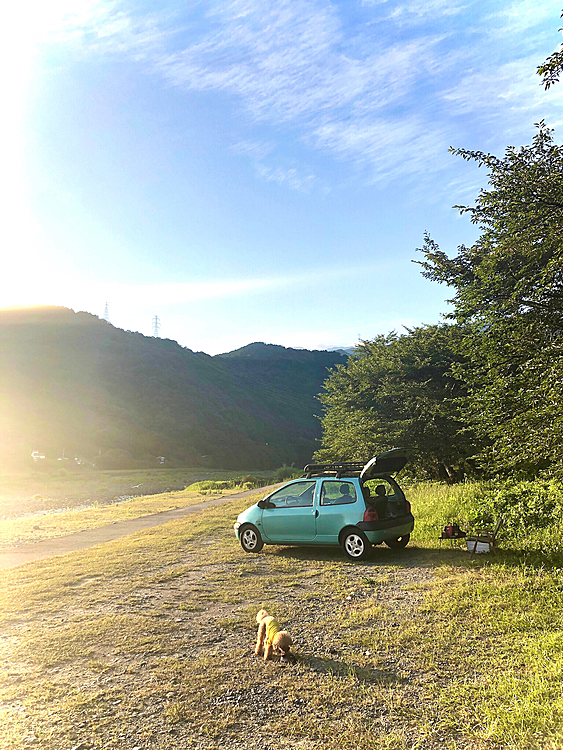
(289, 371)
(73, 382)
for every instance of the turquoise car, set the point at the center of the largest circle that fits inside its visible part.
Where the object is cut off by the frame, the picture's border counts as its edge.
(351, 504)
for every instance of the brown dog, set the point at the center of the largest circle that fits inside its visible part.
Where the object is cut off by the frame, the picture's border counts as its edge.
(270, 637)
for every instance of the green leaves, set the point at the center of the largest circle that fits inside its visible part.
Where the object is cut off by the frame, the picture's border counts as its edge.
(400, 390)
(509, 300)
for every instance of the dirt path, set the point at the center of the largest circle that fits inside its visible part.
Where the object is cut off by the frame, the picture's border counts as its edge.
(83, 539)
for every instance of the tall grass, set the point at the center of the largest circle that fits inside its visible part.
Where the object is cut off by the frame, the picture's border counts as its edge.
(532, 512)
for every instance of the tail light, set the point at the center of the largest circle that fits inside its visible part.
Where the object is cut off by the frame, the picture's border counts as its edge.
(408, 506)
(370, 514)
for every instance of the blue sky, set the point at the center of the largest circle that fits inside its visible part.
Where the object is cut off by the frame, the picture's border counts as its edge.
(251, 170)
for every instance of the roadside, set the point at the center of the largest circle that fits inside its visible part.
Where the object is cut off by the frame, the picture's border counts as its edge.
(61, 545)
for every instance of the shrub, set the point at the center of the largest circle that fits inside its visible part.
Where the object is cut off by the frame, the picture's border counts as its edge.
(524, 505)
(285, 472)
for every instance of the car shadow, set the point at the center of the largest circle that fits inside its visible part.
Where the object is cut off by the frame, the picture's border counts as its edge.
(413, 556)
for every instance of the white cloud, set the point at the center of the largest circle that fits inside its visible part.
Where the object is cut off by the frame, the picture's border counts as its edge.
(294, 66)
(256, 150)
(291, 177)
(183, 292)
(290, 62)
(392, 148)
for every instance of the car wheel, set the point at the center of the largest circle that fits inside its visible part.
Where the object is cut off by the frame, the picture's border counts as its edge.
(399, 541)
(250, 539)
(355, 544)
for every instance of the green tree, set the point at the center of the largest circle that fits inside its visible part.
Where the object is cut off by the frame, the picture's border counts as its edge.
(399, 391)
(508, 295)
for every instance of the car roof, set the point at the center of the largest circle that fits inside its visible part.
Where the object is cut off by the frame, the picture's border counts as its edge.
(381, 465)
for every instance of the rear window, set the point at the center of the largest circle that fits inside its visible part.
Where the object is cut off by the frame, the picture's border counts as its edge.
(336, 492)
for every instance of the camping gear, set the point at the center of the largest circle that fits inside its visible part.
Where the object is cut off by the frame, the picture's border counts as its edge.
(484, 540)
(452, 532)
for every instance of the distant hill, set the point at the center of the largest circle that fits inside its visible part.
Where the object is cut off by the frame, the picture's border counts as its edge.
(295, 371)
(70, 381)
(347, 351)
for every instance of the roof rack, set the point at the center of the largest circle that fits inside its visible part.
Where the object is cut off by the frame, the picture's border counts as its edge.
(335, 467)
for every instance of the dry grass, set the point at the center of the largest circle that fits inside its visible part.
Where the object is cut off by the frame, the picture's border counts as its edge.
(17, 531)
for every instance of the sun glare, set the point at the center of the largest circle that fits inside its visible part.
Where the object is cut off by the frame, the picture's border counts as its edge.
(26, 33)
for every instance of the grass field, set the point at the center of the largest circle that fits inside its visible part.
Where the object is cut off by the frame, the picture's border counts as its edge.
(18, 531)
(43, 492)
(146, 642)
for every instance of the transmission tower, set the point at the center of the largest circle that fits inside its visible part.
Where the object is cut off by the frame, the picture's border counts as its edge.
(156, 326)
(106, 312)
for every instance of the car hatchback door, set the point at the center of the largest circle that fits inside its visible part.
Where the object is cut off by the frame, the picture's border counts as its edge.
(290, 516)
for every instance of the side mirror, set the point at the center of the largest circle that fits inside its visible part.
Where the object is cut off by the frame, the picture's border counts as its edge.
(265, 504)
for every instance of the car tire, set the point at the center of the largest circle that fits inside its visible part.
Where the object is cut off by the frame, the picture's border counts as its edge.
(355, 544)
(250, 539)
(398, 542)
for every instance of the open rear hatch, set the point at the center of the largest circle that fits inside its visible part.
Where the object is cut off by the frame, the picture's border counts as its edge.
(385, 463)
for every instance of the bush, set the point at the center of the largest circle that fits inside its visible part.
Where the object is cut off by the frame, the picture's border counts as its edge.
(286, 472)
(524, 505)
(210, 485)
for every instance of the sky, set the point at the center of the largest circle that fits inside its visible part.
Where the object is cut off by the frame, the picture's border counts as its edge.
(251, 170)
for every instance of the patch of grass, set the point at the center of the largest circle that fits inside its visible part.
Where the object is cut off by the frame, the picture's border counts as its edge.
(38, 491)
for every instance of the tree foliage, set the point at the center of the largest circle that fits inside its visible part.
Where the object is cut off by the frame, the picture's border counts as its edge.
(399, 390)
(508, 295)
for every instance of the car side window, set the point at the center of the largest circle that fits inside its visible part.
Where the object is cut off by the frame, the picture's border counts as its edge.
(297, 495)
(337, 492)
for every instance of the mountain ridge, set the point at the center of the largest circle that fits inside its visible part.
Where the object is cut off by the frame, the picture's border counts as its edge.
(72, 381)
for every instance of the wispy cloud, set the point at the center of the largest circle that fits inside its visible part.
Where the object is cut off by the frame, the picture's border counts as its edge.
(301, 70)
(413, 12)
(290, 62)
(512, 86)
(268, 167)
(182, 292)
(293, 178)
(523, 15)
(392, 148)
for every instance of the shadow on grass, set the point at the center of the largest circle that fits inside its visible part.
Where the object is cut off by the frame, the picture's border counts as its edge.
(338, 668)
(509, 556)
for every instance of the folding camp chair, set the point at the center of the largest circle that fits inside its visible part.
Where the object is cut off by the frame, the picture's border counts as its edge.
(484, 537)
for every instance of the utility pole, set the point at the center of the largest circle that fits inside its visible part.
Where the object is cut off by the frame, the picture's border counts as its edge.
(106, 312)
(156, 326)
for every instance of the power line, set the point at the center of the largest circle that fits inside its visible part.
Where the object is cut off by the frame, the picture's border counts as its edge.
(156, 326)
